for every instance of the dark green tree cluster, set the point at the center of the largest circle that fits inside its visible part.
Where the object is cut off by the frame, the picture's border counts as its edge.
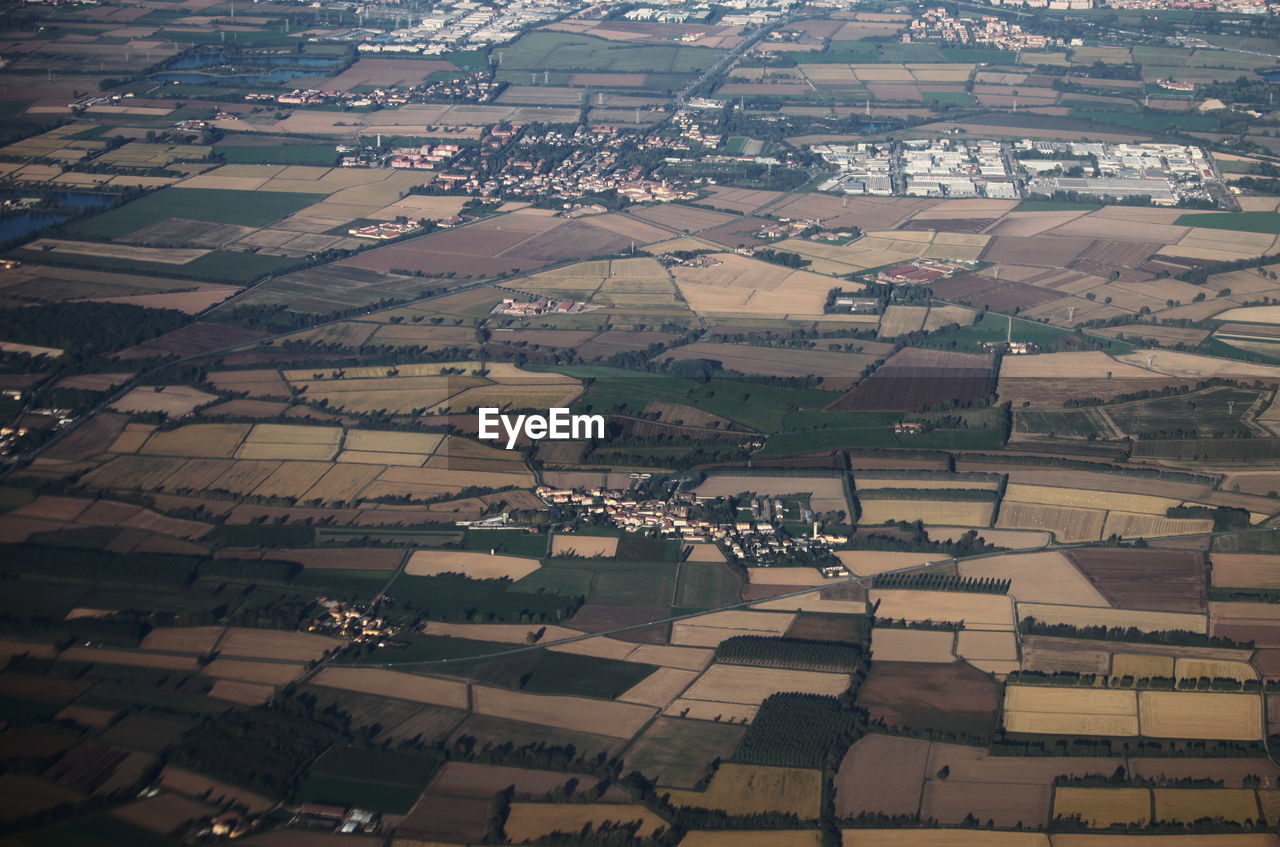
(942, 582)
(1177, 637)
(793, 653)
(802, 731)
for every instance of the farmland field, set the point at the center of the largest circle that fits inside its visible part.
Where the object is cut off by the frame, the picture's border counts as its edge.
(751, 789)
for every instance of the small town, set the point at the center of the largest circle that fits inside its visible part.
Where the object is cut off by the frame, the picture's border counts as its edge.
(756, 542)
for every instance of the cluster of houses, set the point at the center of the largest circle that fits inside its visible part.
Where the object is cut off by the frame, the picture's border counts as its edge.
(938, 25)
(1239, 7)
(590, 166)
(753, 543)
(918, 272)
(427, 157)
(359, 623)
(321, 97)
(384, 231)
(540, 306)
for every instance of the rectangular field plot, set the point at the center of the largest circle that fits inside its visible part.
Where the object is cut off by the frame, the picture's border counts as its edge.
(1069, 711)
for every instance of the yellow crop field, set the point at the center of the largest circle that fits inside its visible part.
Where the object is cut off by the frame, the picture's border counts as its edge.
(532, 821)
(1085, 616)
(1187, 805)
(978, 611)
(243, 477)
(952, 512)
(899, 320)
(197, 440)
(1089, 499)
(710, 710)
(1209, 840)
(421, 443)
(601, 717)
(1139, 666)
(241, 642)
(772, 576)
(932, 483)
(1043, 698)
(244, 693)
(1215, 669)
(329, 436)
(709, 630)
(403, 686)
(586, 546)
(1103, 807)
(750, 838)
(472, 565)
(292, 479)
(987, 646)
(889, 644)
(870, 562)
(1070, 711)
(511, 396)
(140, 472)
(1045, 576)
(1067, 524)
(749, 685)
(268, 673)
(285, 452)
(1245, 570)
(753, 789)
(1134, 525)
(1195, 714)
(367, 457)
(659, 688)
(940, 838)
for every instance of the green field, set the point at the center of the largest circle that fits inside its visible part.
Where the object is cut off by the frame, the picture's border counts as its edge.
(857, 52)
(566, 581)
(1068, 423)
(582, 676)
(1264, 222)
(678, 752)
(993, 327)
(214, 205)
(949, 98)
(760, 407)
(1214, 410)
(707, 585)
(1053, 206)
(1150, 122)
(377, 780)
(101, 830)
(560, 51)
(510, 542)
(214, 266)
(456, 598)
(277, 154)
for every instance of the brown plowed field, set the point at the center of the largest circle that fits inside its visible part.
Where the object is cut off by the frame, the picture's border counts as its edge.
(1157, 580)
(1005, 296)
(191, 339)
(1231, 772)
(881, 774)
(913, 378)
(950, 801)
(950, 698)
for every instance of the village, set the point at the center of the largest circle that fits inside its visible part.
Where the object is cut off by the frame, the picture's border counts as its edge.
(755, 538)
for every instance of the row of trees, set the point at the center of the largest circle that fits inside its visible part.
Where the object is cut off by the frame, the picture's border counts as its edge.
(791, 653)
